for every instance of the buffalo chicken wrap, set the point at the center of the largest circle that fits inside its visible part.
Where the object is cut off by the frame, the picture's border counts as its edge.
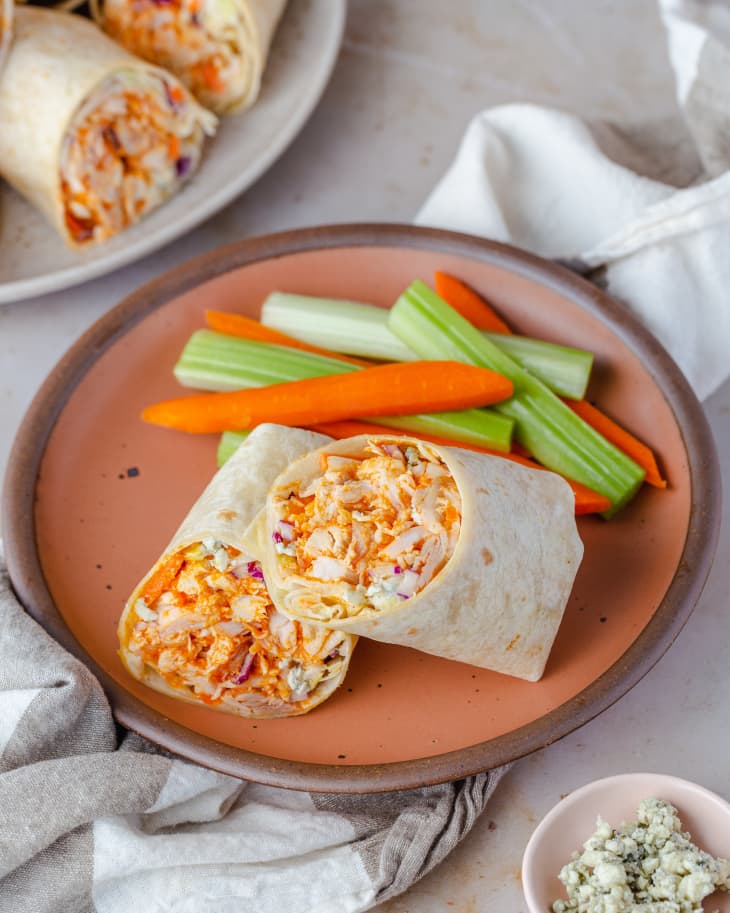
(201, 625)
(91, 135)
(455, 553)
(218, 48)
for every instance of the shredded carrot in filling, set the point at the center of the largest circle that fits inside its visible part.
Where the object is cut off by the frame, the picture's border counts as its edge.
(205, 622)
(128, 149)
(372, 529)
(185, 37)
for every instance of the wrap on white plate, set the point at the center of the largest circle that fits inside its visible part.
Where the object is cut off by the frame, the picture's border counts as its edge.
(91, 135)
(218, 48)
(200, 626)
(455, 553)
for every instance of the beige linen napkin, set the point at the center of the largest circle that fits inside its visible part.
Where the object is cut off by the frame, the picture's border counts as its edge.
(89, 823)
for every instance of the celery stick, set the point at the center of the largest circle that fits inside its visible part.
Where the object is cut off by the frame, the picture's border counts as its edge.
(562, 369)
(229, 443)
(471, 426)
(556, 436)
(362, 329)
(330, 323)
(216, 361)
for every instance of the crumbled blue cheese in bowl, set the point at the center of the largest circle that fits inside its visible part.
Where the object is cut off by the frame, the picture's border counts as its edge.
(645, 866)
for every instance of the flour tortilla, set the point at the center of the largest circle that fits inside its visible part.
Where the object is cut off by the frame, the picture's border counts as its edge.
(259, 19)
(224, 511)
(54, 64)
(499, 600)
(251, 31)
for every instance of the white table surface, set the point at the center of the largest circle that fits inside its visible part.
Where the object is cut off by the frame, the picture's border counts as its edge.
(410, 76)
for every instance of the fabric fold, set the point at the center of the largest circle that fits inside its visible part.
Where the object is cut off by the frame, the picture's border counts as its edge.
(547, 181)
(107, 827)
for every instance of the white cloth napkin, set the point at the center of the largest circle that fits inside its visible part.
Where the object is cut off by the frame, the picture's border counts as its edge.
(546, 181)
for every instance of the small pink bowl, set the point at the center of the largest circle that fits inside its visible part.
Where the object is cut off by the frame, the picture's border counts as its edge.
(565, 828)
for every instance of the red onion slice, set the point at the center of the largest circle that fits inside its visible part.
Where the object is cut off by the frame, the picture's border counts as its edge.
(254, 570)
(407, 584)
(245, 672)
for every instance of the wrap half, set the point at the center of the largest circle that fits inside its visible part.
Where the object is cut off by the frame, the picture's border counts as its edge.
(218, 48)
(201, 627)
(107, 137)
(455, 553)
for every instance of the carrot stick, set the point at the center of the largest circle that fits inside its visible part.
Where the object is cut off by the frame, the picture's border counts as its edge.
(246, 328)
(391, 389)
(587, 501)
(468, 303)
(617, 435)
(351, 428)
(518, 449)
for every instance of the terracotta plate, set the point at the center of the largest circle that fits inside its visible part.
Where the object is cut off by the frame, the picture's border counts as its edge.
(93, 495)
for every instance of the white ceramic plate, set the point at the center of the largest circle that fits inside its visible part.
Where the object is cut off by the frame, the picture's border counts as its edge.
(34, 260)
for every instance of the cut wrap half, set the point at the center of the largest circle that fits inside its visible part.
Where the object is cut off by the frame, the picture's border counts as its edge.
(451, 552)
(107, 137)
(218, 48)
(201, 626)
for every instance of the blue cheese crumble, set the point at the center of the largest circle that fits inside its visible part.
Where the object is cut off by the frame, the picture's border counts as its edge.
(645, 866)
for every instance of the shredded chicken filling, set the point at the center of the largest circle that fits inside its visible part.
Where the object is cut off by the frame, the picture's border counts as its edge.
(129, 147)
(369, 530)
(195, 39)
(205, 622)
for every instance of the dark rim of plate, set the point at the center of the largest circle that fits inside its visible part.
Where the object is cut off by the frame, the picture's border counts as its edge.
(675, 608)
